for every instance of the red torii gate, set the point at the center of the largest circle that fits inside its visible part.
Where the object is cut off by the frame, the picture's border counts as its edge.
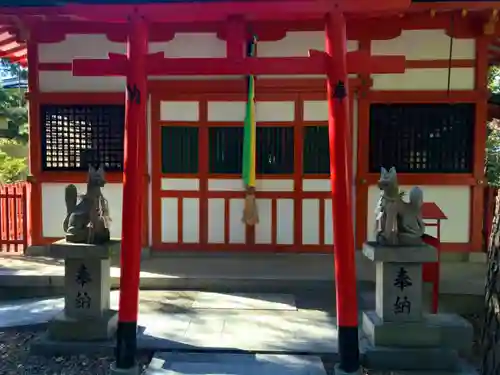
(336, 62)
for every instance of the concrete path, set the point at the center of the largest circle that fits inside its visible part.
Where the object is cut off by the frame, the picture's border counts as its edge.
(273, 323)
(234, 364)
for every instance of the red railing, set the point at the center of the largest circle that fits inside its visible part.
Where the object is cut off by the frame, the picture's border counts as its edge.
(13, 217)
(432, 215)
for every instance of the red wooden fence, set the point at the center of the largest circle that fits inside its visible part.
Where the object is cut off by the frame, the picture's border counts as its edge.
(13, 217)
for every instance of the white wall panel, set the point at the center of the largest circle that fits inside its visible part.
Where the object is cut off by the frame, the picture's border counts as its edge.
(169, 220)
(54, 207)
(285, 221)
(237, 230)
(216, 219)
(263, 230)
(179, 111)
(310, 221)
(190, 220)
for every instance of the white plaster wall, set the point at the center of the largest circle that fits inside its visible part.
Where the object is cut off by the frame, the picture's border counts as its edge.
(426, 79)
(54, 207)
(264, 111)
(425, 45)
(184, 45)
(454, 201)
(297, 43)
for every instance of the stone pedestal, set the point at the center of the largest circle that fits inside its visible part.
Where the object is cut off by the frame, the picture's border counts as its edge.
(399, 328)
(87, 283)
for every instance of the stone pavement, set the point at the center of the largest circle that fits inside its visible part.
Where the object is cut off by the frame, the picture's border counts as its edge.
(273, 323)
(195, 333)
(234, 364)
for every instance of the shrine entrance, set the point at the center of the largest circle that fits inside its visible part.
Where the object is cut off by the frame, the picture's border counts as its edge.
(197, 145)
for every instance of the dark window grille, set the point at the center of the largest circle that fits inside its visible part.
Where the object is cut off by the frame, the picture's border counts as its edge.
(316, 151)
(422, 138)
(274, 154)
(225, 149)
(179, 149)
(75, 136)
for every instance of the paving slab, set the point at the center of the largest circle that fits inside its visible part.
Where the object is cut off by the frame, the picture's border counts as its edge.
(169, 321)
(245, 301)
(234, 364)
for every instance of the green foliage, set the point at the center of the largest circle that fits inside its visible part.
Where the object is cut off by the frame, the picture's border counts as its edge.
(492, 162)
(13, 106)
(493, 153)
(14, 70)
(12, 169)
(493, 79)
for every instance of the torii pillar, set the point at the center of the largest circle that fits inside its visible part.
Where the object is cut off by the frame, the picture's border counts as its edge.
(134, 168)
(339, 130)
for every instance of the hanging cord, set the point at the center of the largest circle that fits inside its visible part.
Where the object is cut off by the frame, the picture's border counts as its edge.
(450, 57)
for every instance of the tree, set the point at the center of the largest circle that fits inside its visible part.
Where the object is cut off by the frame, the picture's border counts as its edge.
(492, 162)
(13, 70)
(13, 110)
(13, 104)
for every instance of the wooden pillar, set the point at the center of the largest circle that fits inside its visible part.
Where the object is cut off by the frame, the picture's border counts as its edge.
(35, 229)
(134, 170)
(341, 184)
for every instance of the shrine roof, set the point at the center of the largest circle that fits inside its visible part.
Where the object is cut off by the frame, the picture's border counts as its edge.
(11, 34)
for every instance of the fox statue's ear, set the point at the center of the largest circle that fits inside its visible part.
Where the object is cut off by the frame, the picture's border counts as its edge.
(100, 170)
(392, 170)
(383, 170)
(91, 168)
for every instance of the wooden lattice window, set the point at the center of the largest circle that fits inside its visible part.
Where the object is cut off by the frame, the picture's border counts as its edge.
(76, 136)
(274, 150)
(316, 153)
(422, 138)
(179, 149)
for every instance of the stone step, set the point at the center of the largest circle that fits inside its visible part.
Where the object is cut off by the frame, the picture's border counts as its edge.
(435, 330)
(411, 359)
(234, 364)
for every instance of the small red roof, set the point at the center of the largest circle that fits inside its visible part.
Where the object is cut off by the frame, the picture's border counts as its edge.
(11, 48)
(431, 211)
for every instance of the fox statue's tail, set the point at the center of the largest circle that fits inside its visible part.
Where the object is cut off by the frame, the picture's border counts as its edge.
(416, 197)
(70, 196)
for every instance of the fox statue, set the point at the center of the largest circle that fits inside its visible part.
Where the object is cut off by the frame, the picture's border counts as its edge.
(398, 223)
(87, 220)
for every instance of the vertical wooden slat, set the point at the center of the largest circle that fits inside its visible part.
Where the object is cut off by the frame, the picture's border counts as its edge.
(8, 196)
(15, 221)
(24, 205)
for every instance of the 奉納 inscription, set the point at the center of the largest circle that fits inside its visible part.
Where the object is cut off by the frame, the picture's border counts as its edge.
(83, 300)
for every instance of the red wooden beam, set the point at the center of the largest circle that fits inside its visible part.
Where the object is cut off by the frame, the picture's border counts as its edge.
(214, 11)
(357, 62)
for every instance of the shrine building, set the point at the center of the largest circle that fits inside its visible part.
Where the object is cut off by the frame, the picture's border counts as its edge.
(423, 109)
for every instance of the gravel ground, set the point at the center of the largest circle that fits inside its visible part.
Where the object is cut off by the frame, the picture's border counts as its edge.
(15, 358)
